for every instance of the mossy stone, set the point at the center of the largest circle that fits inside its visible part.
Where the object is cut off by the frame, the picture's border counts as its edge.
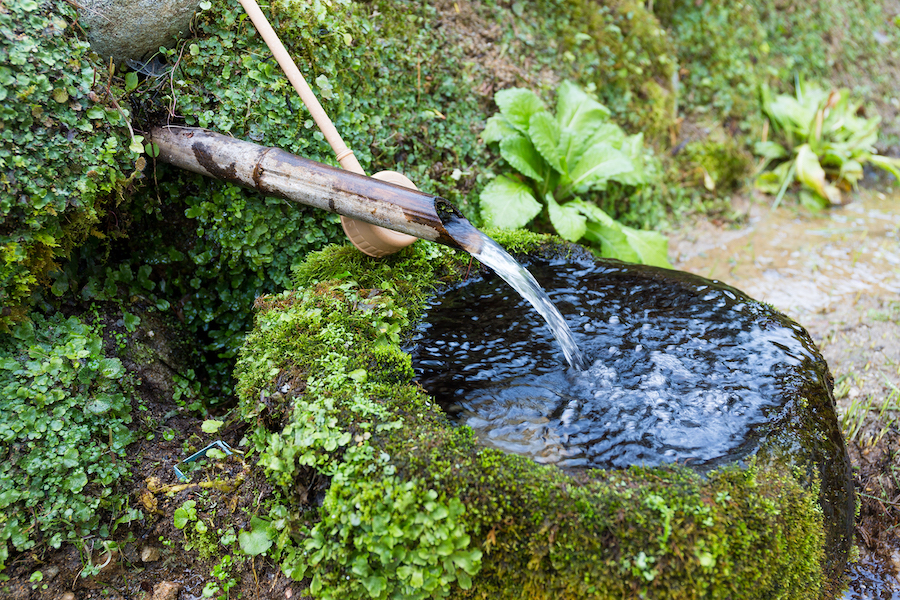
(417, 508)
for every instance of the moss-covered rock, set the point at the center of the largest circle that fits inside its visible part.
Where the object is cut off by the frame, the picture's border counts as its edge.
(416, 508)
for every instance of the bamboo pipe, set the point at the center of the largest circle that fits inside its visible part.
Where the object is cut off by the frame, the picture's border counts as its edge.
(275, 172)
(373, 240)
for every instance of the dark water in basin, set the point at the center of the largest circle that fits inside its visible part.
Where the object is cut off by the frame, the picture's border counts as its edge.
(681, 369)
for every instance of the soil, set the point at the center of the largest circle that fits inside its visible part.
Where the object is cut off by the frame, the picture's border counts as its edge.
(495, 63)
(154, 561)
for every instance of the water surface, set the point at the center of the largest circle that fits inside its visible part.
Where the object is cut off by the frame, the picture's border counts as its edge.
(678, 369)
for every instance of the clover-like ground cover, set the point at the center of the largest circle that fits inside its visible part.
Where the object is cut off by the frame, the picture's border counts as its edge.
(415, 507)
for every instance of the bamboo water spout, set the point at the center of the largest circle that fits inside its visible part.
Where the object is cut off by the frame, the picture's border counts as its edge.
(275, 172)
(370, 239)
(367, 199)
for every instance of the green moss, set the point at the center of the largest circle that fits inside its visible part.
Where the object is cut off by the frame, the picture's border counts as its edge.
(717, 165)
(417, 508)
(617, 49)
(522, 241)
(417, 267)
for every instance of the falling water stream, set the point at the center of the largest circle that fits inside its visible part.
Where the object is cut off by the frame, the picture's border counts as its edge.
(491, 254)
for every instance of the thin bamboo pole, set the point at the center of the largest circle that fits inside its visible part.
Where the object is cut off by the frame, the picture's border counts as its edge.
(344, 155)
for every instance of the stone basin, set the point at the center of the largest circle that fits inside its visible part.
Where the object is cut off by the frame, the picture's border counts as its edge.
(409, 503)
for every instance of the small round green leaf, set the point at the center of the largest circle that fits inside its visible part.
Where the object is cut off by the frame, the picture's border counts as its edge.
(211, 425)
(131, 81)
(111, 368)
(257, 540)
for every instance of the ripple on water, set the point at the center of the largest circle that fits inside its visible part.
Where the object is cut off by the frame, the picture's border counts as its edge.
(680, 368)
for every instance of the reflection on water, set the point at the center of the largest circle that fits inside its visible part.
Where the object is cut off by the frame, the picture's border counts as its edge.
(870, 580)
(679, 369)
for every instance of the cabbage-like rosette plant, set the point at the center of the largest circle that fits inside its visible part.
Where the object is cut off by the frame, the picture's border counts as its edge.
(822, 141)
(559, 161)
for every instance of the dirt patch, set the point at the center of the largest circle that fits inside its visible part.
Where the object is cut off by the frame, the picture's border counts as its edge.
(495, 62)
(155, 559)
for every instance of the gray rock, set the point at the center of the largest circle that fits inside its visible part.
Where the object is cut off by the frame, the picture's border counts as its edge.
(150, 554)
(135, 29)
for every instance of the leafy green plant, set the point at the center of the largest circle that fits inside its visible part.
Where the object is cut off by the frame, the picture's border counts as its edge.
(214, 247)
(197, 533)
(63, 431)
(411, 540)
(65, 157)
(560, 160)
(822, 143)
(184, 514)
(223, 572)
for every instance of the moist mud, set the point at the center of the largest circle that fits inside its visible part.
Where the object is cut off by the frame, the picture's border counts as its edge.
(680, 368)
(802, 263)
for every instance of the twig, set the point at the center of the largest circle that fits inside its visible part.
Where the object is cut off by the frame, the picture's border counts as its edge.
(172, 81)
(255, 576)
(880, 500)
